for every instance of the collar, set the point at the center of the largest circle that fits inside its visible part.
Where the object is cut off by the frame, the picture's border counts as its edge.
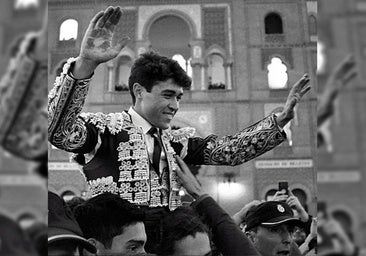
(139, 121)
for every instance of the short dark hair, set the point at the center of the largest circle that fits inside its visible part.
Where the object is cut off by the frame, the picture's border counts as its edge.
(104, 216)
(151, 68)
(180, 223)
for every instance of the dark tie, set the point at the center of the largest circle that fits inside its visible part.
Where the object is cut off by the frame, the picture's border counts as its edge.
(157, 149)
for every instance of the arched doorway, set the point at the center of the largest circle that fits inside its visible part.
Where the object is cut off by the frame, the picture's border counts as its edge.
(170, 36)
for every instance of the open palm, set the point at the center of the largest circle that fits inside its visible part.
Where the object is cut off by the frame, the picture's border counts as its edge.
(97, 45)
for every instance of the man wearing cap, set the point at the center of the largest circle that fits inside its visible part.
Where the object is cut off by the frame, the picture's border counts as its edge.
(64, 234)
(269, 226)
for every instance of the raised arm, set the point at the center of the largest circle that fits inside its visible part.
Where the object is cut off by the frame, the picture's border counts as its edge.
(250, 142)
(23, 97)
(67, 130)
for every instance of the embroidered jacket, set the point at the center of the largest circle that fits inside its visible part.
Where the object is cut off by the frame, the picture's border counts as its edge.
(23, 103)
(121, 163)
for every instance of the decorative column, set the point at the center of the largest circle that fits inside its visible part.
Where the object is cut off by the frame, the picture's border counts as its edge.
(228, 67)
(197, 63)
(110, 76)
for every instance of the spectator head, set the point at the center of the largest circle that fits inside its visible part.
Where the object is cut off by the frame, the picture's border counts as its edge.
(112, 224)
(65, 237)
(184, 234)
(13, 240)
(269, 226)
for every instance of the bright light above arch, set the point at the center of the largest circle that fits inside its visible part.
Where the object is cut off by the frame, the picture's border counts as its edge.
(277, 74)
(68, 30)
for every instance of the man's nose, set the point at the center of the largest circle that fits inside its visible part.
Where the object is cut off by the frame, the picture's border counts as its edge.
(285, 236)
(174, 104)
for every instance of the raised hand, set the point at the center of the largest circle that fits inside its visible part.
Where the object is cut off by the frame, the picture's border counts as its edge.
(341, 75)
(97, 45)
(300, 88)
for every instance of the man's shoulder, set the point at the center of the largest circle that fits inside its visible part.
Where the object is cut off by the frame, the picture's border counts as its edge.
(114, 122)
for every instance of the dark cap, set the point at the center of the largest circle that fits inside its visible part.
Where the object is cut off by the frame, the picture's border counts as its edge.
(270, 213)
(63, 226)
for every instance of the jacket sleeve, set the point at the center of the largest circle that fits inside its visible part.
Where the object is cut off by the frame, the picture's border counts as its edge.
(247, 144)
(67, 130)
(228, 238)
(23, 103)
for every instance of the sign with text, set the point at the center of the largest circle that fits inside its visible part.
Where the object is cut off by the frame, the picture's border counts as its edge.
(338, 176)
(284, 164)
(61, 166)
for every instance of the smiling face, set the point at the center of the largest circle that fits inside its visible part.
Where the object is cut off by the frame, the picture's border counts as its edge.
(272, 241)
(160, 105)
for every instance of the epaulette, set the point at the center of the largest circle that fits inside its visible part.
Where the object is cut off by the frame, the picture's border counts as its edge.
(112, 121)
(182, 134)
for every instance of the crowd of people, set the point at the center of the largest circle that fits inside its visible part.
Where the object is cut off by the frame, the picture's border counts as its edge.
(135, 165)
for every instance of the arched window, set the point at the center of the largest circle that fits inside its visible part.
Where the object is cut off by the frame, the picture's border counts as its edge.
(185, 64)
(25, 4)
(301, 195)
(320, 58)
(123, 73)
(216, 72)
(277, 74)
(26, 220)
(273, 24)
(269, 195)
(68, 195)
(68, 30)
(312, 25)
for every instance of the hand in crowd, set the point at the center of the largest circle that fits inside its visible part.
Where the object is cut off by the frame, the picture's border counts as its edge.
(313, 228)
(188, 180)
(300, 88)
(280, 196)
(239, 217)
(294, 203)
(340, 76)
(97, 45)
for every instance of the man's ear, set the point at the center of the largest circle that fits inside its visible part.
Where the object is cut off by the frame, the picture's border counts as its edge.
(96, 243)
(252, 236)
(138, 90)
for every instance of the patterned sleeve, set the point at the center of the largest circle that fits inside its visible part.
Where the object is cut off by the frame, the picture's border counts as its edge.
(67, 130)
(22, 101)
(236, 149)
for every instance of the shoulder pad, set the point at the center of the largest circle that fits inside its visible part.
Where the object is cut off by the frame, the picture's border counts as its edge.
(181, 134)
(112, 121)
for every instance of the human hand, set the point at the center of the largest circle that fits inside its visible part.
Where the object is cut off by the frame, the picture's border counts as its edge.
(339, 77)
(239, 217)
(343, 72)
(280, 196)
(313, 228)
(187, 179)
(296, 93)
(294, 203)
(97, 46)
